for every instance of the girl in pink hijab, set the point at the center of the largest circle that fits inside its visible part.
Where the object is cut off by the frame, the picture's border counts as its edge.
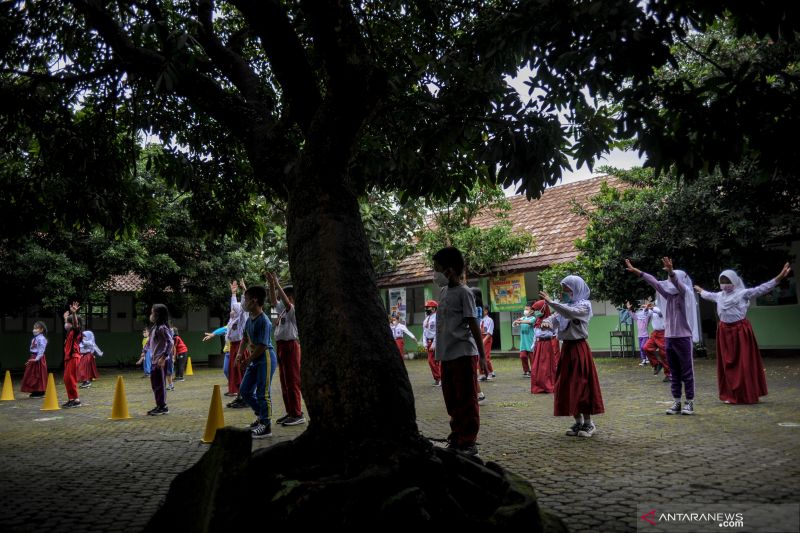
(740, 372)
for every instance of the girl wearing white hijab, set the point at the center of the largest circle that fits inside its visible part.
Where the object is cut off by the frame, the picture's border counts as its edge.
(576, 391)
(677, 301)
(740, 372)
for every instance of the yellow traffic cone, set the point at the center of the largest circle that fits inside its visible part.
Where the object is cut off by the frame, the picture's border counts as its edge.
(189, 371)
(119, 411)
(8, 388)
(215, 418)
(50, 397)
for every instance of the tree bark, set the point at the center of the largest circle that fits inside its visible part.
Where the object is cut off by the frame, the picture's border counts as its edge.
(354, 382)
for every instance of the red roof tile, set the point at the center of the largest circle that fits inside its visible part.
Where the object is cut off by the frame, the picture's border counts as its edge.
(124, 283)
(551, 219)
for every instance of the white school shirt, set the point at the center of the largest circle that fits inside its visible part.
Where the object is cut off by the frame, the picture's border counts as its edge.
(286, 330)
(399, 330)
(739, 310)
(236, 333)
(453, 336)
(429, 328)
(576, 315)
(38, 345)
(658, 320)
(488, 325)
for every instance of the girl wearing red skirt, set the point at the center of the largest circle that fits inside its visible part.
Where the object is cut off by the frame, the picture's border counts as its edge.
(87, 368)
(577, 389)
(72, 355)
(740, 372)
(35, 378)
(545, 352)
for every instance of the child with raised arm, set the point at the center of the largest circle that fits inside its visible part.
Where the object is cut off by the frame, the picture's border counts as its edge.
(235, 334)
(655, 347)
(676, 299)
(35, 378)
(286, 337)
(72, 355)
(87, 368)
(458, 341)
(740, 371)
(642, 317)
(429, 338)
(576, 392)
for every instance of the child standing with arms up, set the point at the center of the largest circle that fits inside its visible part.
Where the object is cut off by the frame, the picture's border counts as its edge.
(429, 338)
(458, 341)
(576, 391)
(161, 347)
(87, 368)
(740, 371)
(676, 300)
(35, 378)
(72, 355)
(286, 337)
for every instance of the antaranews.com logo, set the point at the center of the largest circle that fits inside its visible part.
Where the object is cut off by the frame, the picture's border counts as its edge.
(723, 520)
(673, 517)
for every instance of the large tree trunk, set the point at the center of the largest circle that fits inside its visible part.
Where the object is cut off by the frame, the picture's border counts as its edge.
(354, 382)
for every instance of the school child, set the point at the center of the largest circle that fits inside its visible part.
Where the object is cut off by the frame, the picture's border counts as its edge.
(87, 368)
(655, 344)
(288, 351)
(226, 350)
(398, 330)
(526, 339)
(145, 358)
(458, 341)
(429, 339)
(72, 355)
(35, 378)
(161, 346)
(576, 391)
(545, 352)
(676, 299)
(259, 360)
(169, 368)
(642, 317)
(235, 335)
(740, 371)
(487, 332)
(181, 355)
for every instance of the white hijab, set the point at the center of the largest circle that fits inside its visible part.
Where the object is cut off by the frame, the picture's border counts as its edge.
(729, 300)
(689, 302)
(580, 295)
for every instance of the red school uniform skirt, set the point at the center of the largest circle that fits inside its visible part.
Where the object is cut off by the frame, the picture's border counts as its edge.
(35, 377)
(543, 368)
(740, 371)
(577, 389)
(87, 368)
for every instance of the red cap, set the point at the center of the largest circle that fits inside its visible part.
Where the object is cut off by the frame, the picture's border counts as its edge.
(432, 303)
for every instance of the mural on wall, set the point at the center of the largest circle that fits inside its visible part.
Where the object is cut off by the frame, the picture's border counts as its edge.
(508, 292)
(397, 304)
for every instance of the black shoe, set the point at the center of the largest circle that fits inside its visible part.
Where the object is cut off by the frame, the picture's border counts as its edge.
(152, 411)
(36, 395)
(261, 431)
(294, 420)
(158, 411)
(238, 403)
(657, 369)
(282, 419)
(67, 405)
(180, 379)
(72, 403)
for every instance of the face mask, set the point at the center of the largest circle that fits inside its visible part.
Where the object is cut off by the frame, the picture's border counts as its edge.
(727, 287)
(35, 332)
(566, 298)
(440, 279)
(526, 313)
(429, 311)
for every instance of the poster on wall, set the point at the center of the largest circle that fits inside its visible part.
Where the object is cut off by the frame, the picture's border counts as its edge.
(397, 304)
(508, 292)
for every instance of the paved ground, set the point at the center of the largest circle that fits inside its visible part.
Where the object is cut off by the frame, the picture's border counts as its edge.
(74, 470)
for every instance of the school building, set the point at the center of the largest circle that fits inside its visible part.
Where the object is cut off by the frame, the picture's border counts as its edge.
(555, 227)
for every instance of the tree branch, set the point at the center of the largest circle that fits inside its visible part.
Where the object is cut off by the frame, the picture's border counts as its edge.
(288, 60)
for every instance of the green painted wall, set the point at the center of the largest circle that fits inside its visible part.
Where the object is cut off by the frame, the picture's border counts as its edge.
(117, 348)
(775, 327)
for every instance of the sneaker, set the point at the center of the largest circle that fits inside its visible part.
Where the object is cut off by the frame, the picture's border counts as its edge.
(230, 394)
(688, 408)
(642, 363)
(574, 430)
(587, 430)
(36, 395)
(481, 398)
(482, 378)
(657, 369)
(254, 424)
(490, 378)
(526, 374)
(85, 385)
(180, 379)
(238, 403)
(261, 431)
(294, 421)
(675, 409)
(158, 411)
(72, 403)
(437, 383)
(282, 419)
(171, 387)
(67, 405)
(152, 411)
(493, 374)
(471, 450)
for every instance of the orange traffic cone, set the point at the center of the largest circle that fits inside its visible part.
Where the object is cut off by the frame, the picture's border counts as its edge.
(215, 418)
(189, 371)
(119, 410)
(50, 397)
(8, 388)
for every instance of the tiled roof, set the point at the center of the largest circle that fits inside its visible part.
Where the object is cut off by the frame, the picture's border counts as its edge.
(124, 283)
(551, 219)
